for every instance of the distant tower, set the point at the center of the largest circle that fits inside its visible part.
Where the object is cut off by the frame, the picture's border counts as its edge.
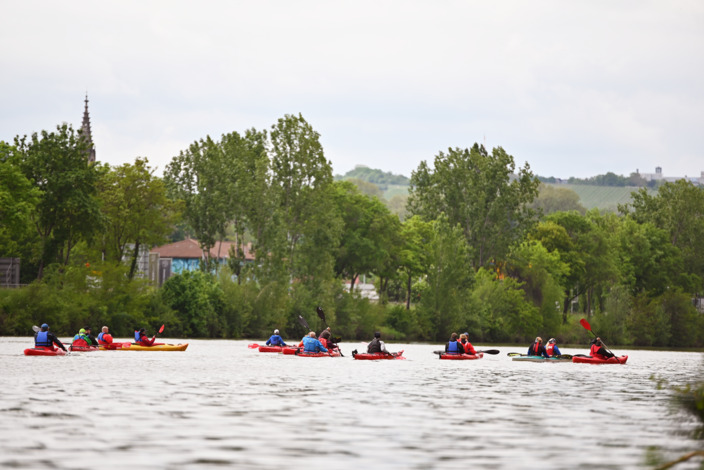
(85, 131)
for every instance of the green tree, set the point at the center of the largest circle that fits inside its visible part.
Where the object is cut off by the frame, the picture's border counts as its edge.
(481, 193)
(370, 233)
(416, 234)
(135, 211)
(67, 211)
(18, 198)
(444, 303)
(678, 209)
(199, 176)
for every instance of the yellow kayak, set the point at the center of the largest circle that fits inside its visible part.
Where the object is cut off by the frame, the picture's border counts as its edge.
(156, 347)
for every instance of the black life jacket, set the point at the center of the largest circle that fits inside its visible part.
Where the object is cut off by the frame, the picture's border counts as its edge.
(374, 346)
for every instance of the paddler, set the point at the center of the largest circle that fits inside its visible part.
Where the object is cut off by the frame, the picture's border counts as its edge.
(537, 348)
(598, 349)
(468, 348)
(81, 339)
(454, 346)
(275, 340)
(552, 348)
(141, 338)
(377, 345)
(92, 340)
(46, 339)
(312, 345)
(104, 337)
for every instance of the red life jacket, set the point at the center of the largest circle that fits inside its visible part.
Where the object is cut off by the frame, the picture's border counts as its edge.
(80, 342)
(549, 348)
(594, 352)
(468, 348)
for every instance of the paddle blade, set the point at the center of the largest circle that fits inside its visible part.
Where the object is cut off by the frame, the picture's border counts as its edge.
(321, 314)
(303, 322)
(161, 330)
(35, 328)
(514, 354)
(253, 346)
(490, 351)
(585, 324)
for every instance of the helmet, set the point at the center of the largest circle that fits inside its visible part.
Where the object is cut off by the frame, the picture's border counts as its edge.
(44, 325)
(466, 334)
(276, 332)
(82, 331)
(551, 340)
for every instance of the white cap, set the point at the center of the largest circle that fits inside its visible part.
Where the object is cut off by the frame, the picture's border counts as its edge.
(276, 332)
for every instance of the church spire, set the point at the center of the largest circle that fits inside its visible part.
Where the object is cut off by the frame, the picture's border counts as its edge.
(85, 130)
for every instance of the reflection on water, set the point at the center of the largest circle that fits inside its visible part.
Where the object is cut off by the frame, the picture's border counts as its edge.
(222, 404)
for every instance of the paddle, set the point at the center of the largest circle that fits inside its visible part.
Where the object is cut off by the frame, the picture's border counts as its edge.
(253, 346)
(321, 314)
(588, 327)
(303, 323)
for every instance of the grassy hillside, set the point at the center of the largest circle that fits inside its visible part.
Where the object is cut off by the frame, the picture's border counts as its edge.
(601, 197)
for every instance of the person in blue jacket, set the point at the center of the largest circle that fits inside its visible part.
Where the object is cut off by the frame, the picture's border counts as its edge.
(454, 346)
(275, 340)
(44, 338)
(312, 345)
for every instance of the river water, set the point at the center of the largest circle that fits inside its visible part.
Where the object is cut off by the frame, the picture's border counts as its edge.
(220, 404)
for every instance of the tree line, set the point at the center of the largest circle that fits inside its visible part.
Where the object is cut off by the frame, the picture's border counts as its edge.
(474, 252)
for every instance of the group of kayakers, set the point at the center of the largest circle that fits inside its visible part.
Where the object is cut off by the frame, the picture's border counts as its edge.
(84, 338)
(459, 344)
(539, 349)
(325, 343)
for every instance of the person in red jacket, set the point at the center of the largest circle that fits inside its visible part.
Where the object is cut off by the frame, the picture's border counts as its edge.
(468, 348)
(598, 349)
(141, 338)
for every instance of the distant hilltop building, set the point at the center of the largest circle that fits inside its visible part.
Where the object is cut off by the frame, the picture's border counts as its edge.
(85, 131)
(658, 176)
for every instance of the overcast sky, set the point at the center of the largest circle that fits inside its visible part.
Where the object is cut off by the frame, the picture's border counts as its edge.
(574, 88)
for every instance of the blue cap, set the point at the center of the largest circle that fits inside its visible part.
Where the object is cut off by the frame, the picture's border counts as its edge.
(44, 325)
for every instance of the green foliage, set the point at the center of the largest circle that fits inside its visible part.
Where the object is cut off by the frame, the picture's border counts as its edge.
(505, 314)
(77, 296)
(197, 300)
(67, 211)
(481, 193)
(378, 177)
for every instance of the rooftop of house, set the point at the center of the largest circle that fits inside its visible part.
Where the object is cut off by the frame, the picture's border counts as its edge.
(190, 248)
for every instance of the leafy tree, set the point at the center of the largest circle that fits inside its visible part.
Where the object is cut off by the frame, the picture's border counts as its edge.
(199, 177)
(135, 209)
(479, 192)
(370, 233)
(678, 209)
(444, 303)
(504, 312)
(304, 229)
(369, 189)
(553, 199)
(197, 299)
(67, 211)
(18, 197)
(585, 247)
(416, 235)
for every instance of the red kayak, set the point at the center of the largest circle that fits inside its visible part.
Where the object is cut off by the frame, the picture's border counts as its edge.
(378, 356)
(44, 351)
(114, 346)
(277, 349)
(462, 357)
(83, 348)
(597, 360)
(300, 352)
